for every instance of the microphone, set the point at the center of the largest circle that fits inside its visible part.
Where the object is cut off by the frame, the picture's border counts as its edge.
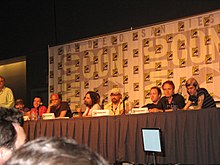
(123, 102)
(125, 98)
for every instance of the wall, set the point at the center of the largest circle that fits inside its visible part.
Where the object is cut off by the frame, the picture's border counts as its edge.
(138, 59)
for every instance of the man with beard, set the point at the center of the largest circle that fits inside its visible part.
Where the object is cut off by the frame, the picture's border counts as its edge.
(91, 102)
(58, 107)
(116, 105)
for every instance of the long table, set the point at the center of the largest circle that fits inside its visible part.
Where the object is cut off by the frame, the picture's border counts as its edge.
(188, 137)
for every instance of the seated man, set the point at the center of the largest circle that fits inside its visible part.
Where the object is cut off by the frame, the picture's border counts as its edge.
(58, 107)
(198, 97)
(91, 102)
(55, 151)
(116, 104)
(170, 101)
(19, 104)
(12, 134)
(38, 109)
(155, 94)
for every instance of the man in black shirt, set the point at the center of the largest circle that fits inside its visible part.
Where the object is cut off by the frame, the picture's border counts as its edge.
(170, 101)
(155, 94)
(58, 107)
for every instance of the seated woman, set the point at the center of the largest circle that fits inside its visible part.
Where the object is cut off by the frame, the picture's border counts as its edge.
(198, 97)
(38, 109)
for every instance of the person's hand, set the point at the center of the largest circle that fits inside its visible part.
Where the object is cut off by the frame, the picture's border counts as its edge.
(155, 110)
(52, 104)
(79, 110)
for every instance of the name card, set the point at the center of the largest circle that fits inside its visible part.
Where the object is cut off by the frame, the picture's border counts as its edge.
(100, 112)
(139, 110)
(48, 116)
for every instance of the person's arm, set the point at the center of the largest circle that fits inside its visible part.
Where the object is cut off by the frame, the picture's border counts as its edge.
(200, 102)
(63, 113)
(49, 107)
(128, 107)
(155, 110)
(187, 105)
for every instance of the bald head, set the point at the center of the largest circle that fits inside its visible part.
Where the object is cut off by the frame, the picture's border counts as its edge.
(55, 99)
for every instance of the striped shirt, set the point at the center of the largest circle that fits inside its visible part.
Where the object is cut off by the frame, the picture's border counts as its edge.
(208, 101)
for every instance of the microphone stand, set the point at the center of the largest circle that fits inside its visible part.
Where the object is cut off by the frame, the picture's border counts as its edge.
(123, 102)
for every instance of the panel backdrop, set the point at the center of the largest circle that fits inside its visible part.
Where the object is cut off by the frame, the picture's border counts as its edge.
(138, 59)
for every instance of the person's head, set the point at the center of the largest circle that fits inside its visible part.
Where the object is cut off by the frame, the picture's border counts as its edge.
(12, 135)
(168, 88)
(192, 85)
(13, 115)
(55, 151)
(37, 101)
(55, 99)
(155, 94)
(90, 98)
(2, 82)
(115, 95)
(19, 104)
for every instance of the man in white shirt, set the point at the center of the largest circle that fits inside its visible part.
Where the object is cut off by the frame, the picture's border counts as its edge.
(116, 105)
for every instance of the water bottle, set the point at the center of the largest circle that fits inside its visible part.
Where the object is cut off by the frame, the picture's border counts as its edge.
(34, 114)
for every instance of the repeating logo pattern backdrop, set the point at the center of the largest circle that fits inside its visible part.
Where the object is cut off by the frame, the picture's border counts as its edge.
(138, 59)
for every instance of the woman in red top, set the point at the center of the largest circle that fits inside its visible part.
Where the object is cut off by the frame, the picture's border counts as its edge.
(38, 108)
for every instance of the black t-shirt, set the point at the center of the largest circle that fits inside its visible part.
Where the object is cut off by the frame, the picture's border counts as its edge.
(178, 101)
(63, 106)
(150, 106)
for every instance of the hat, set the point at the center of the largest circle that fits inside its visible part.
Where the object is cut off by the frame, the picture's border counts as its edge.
(115, 91)
(19, 101)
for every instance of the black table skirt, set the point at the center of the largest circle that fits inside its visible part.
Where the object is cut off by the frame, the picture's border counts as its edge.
(188, 137)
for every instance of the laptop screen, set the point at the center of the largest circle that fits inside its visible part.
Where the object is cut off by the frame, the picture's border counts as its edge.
(151, 139)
